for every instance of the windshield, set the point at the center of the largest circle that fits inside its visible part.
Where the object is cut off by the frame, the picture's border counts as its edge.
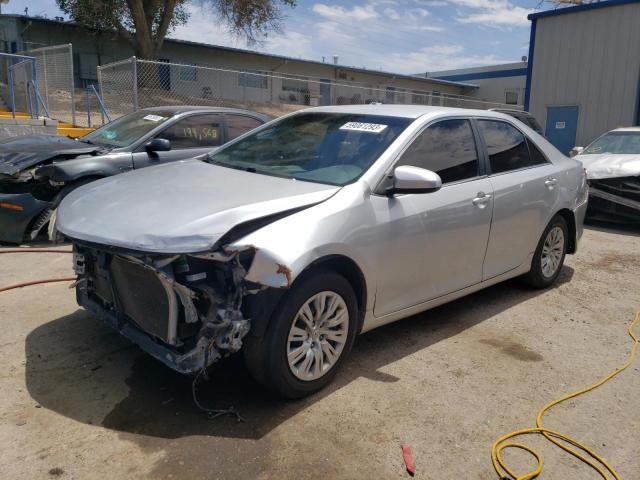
(332, 148)
(126, 130)
(622, 143)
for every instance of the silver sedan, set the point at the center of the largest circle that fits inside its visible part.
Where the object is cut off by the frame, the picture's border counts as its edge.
(323, 224)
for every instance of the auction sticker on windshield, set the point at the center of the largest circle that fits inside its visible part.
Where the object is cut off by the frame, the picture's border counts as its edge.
(363, 127)
(153, 118)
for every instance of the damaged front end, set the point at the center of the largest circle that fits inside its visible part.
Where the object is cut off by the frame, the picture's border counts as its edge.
(187, 311)
(25, 205)
(615, 199)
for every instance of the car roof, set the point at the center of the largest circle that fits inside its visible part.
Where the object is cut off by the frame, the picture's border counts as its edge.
(511, 110)
(179, 109)
(626, 129)
(405, 111)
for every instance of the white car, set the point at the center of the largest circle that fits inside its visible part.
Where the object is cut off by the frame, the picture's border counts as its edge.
(613, 170)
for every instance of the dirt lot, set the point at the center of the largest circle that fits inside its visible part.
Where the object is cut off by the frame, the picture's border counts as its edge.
(78, 401)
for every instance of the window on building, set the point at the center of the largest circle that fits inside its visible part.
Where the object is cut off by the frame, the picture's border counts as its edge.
(189, 72)
(240, 124)
(195, 131)
(507, 147)
(447, 148)
(295, 85)
(511, 97)
(252, 79)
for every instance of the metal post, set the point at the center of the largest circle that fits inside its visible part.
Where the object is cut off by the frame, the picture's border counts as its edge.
(99, 72)
(73, 87)
(134, 63)
(88, 109)
(46, 83)
(29, 105)
(34, 74)
(12, 92)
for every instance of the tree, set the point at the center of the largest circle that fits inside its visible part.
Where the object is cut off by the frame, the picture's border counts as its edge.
(144, 24)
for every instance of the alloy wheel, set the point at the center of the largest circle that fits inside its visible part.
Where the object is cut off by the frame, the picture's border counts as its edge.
(318, 335)
(552, 252)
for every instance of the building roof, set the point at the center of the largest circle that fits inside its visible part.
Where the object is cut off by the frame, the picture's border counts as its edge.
(580, 8)
(266, 55)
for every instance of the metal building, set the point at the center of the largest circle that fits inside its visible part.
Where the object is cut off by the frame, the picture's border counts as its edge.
(583, 76)
(503, 83)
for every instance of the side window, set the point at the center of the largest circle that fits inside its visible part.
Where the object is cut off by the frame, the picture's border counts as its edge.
(537, 157)
(195, 131)
(447, 148)
(507, 147)
(239, 124)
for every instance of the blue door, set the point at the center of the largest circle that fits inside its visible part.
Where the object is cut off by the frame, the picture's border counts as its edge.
(562, 123)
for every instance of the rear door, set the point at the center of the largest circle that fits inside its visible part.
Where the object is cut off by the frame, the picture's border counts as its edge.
(190, 136)
(525, 193)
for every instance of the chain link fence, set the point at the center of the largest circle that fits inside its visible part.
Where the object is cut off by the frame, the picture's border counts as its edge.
(54, 66)
(132, 84)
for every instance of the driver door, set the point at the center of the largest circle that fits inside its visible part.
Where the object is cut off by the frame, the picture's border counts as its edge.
(191, 136)
(432, 244)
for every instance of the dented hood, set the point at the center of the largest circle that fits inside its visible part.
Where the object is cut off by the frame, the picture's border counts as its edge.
(608, 165)
(19, 153)
(179, 207)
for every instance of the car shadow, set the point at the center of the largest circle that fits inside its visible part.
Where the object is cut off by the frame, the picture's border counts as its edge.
(83, 370)
(616, 228)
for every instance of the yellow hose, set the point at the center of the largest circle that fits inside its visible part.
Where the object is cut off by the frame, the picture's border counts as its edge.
(595, 461)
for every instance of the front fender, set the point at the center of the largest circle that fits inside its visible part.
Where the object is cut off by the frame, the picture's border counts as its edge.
(72, 170)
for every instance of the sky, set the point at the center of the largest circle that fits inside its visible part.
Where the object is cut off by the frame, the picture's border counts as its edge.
(403, 36)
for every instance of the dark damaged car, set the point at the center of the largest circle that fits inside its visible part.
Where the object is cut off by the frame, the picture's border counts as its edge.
(289, 241)
(36, 172)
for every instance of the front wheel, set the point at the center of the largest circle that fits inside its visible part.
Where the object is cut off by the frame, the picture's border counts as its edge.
(309, 336)
(549, 255)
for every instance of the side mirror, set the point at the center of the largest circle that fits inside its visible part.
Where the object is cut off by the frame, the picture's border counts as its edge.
(408, 179)
(158, 145)
(576, 151)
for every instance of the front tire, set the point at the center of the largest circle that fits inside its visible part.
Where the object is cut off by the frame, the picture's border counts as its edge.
(310, 334)
(549, 255)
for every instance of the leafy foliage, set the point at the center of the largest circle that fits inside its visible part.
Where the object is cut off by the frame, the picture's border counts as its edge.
(144, 24)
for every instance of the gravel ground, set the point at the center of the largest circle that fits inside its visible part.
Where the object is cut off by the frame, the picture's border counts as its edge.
(77, 401)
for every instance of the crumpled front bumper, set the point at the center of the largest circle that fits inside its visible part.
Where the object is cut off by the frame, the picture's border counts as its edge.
(13, 222)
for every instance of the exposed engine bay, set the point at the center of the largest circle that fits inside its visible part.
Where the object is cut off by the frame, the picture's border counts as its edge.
(188, 311)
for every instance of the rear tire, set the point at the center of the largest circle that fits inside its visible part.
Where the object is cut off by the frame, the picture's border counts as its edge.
(549, 255)
(309, 336)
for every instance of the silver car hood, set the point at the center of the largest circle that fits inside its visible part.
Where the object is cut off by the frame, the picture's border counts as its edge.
(608, 165)
(179, 207)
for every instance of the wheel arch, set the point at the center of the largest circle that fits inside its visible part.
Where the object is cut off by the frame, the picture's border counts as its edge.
(350, 270)
(570, 219)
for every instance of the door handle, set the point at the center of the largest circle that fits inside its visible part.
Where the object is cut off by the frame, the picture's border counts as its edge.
(482, 199)
(551, 182)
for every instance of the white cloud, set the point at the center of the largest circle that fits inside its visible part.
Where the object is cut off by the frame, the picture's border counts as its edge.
(201, 29)
(501, 13)
(437, 57)
(514, 16)
(333, 12)
(392, 14)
